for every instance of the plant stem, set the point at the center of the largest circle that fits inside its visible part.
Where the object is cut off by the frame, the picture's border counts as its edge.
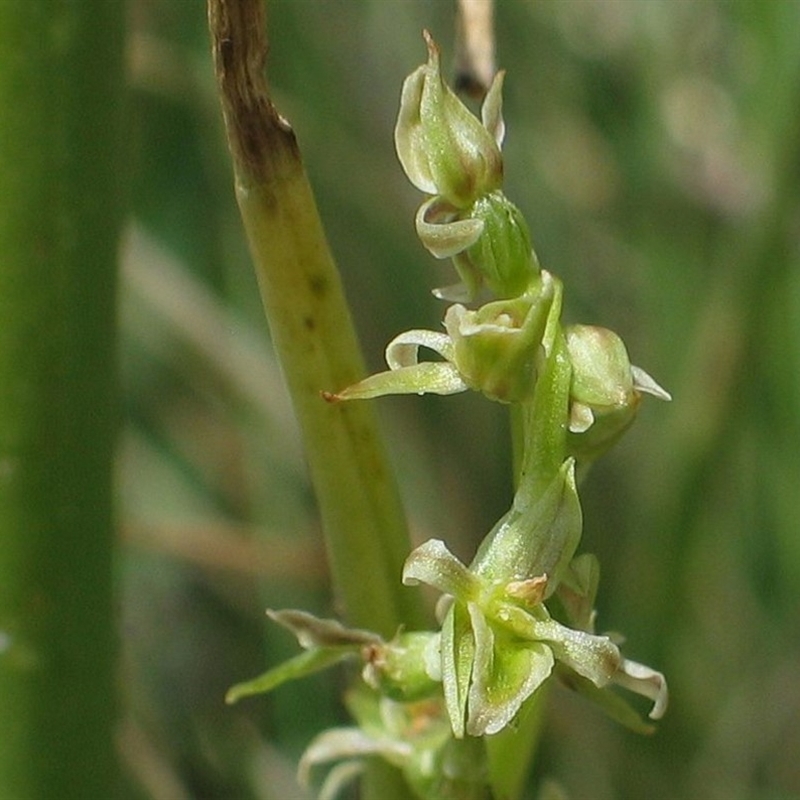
(61, 82)
(538, 448)
(313, 335)
(312, 332)
(512, 751)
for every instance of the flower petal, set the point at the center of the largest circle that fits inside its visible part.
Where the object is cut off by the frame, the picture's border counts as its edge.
(644, 681)
(458, 653)
(442, 235)
(312, 631)
(339, 777)
(454, 293)
(338, 743)
(306, 663)
(430, 377)
(642, 382)
(434, 564)
(613, 704)
(408, 133)
(504, 675)
(538, 536)
(595, 657)
(581, 417)
(578, 590)
(403, 350)
(492, 109)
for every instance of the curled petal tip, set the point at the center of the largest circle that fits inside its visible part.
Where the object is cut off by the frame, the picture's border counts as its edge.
(647, 384)
(644, 681)
(455, 293)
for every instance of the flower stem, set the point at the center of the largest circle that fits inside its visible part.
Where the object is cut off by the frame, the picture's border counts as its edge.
(538, 448)
(512, 751)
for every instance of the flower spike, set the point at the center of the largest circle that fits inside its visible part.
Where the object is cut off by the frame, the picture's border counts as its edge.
(522, 612)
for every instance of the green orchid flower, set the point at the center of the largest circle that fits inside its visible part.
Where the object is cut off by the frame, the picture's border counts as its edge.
(496, 349)
(606, 390)
(414, 737)
(489, 243)
(400, 669)
(398, 709)
(499, 644)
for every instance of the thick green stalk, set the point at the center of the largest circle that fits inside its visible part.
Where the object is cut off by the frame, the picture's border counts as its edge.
(314, 339)
(61, 79)
(312, 332)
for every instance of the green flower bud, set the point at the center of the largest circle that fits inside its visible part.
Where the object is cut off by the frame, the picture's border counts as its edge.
(502, 254)
(537, 537)
(405, 669)
(497, 346)
(601, 376)
(606, 390)
(443, 148)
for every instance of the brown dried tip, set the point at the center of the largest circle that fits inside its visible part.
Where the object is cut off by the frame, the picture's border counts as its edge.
(260, 139)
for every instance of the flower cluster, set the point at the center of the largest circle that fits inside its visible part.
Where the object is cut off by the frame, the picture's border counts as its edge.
(498, 348)
(523, 609)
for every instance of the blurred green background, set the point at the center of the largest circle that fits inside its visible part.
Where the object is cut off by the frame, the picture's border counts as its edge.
(654, 147)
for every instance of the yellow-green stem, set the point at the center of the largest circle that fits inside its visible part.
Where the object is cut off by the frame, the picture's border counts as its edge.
(314, 339)
(312, 333)
(538, 446)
